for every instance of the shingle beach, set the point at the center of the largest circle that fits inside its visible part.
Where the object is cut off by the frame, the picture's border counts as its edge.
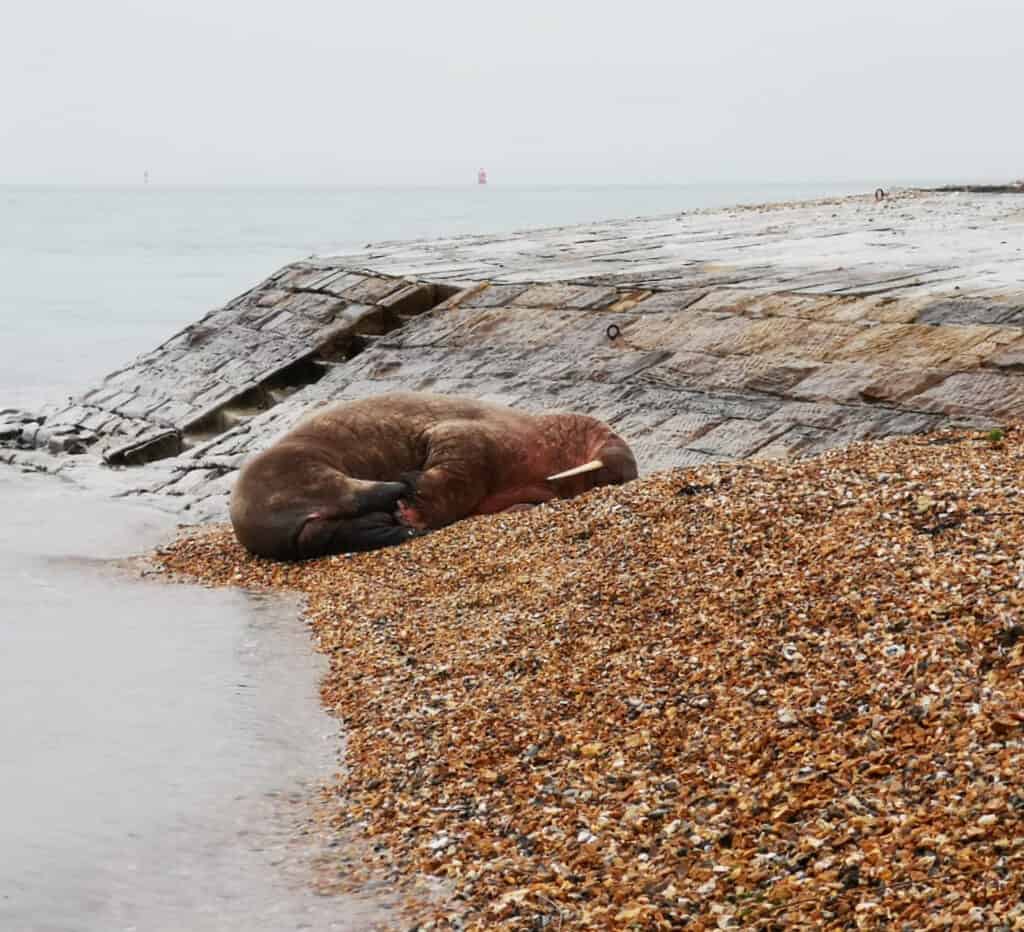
(764, 695)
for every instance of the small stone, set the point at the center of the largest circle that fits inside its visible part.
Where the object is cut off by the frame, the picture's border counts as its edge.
(923, 503)
(790, 652)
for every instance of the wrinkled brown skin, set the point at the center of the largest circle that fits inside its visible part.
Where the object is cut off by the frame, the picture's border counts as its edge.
(371, 473)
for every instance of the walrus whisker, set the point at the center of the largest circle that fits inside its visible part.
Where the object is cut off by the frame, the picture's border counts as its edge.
(577, 470)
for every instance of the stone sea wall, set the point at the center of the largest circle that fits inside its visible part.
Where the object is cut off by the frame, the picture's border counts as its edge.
(775, 331)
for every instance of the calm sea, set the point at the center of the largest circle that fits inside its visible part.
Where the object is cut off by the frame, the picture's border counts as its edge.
(91, 277)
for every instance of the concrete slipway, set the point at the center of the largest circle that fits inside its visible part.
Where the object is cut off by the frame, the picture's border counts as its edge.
(771, 331)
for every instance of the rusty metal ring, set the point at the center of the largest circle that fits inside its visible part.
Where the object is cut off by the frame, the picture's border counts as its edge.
(613, 332)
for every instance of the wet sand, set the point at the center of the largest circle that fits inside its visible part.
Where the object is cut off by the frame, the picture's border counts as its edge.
(159, 744)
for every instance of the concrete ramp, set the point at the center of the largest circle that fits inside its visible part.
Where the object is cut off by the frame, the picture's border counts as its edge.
(778, 331)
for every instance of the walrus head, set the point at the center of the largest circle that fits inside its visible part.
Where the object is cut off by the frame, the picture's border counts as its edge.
(335, 515)
(614, 464)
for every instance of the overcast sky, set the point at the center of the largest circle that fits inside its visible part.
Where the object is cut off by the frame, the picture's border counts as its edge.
(396, 92)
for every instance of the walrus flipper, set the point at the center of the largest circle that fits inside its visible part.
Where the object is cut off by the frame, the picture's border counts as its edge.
(365, 522)
(321, 535)
(454, 476)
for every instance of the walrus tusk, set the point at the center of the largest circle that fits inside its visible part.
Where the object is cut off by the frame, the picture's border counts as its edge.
(577, 470)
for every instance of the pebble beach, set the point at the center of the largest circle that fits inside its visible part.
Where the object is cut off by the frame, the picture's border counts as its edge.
(768, 695)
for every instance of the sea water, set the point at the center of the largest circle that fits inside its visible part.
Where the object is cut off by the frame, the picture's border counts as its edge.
(149, 733)
(159, 744)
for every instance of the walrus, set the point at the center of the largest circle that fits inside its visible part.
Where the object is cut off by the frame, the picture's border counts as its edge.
(372, 473)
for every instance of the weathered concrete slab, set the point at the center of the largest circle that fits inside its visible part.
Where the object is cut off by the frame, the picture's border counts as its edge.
(957, 244)
(711, 335)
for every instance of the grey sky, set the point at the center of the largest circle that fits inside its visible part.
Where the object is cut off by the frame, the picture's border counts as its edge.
(310, 91)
